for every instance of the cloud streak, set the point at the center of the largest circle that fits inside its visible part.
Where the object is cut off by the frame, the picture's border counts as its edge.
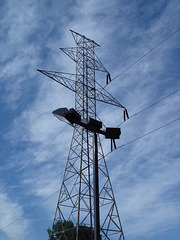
(144, 174)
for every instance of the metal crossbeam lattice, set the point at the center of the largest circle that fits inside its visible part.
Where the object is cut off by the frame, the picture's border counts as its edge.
(75, 201)
(69, 80)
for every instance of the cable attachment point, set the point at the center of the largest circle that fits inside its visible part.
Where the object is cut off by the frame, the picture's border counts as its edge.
(108, 78)
(113, 144)
(126, 115)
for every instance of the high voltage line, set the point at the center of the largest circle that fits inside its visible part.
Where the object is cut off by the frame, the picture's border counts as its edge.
(22, 170)
(151, 105)
(148, 52)
(30, 210)
(139, 59)
(105, 155)
(144, 135)
(123, 145)
(118, 125)
(25, 200)
(135, 114)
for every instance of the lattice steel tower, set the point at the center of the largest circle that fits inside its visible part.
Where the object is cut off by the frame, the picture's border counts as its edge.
(75, 201)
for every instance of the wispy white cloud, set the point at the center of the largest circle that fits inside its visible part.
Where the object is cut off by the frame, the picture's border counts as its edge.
(144, 175)
(16, 230)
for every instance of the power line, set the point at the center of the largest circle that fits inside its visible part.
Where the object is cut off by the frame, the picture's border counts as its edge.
(156, 46)
(35, 205)
(151, 105)
(144, 135)
(33, 159)
(34, 193)
(118, 126)
(148, 52)
(118, 147)
(152, 49)
(123, 145)
(30, 210)
(37, 192)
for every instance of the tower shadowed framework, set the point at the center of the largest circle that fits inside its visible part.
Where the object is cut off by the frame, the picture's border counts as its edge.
(75, 202)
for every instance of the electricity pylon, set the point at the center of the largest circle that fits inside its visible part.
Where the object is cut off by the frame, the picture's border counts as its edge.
(75, 202)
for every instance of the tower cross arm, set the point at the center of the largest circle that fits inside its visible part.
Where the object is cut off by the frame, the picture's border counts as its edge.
(72, 53)
(78, 37)
(65, 79)
(104, 96)
(69, 81)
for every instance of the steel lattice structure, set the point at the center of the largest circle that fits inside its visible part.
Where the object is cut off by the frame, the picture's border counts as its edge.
(75, 201)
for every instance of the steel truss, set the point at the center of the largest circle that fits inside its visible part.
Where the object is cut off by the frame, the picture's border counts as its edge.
(75, 201)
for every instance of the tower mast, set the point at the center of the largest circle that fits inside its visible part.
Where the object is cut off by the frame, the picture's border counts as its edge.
(75, 202)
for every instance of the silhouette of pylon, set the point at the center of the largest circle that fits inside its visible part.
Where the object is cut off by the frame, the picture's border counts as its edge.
(75, 202)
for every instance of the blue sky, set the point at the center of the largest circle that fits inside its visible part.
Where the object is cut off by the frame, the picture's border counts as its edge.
(145, 173)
